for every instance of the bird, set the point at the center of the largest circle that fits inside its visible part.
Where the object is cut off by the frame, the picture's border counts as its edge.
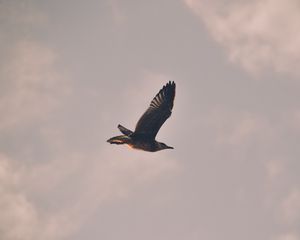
(147, 127)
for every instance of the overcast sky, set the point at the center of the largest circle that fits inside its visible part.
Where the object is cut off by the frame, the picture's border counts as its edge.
(72, 70)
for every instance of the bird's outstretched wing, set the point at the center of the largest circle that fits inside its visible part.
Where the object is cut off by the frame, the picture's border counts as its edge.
(158, 112)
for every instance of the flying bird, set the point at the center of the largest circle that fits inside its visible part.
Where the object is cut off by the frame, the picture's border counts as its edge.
(147, 127)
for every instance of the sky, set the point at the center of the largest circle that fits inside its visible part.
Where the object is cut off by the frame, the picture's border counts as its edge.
(71, 71)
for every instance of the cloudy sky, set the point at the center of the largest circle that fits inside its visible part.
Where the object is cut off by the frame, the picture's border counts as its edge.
(72, 70)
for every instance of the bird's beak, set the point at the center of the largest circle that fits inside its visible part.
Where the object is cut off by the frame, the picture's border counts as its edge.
(170, 147)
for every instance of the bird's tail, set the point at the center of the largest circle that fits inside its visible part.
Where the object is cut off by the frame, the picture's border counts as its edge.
(122, 139)
(124, 130)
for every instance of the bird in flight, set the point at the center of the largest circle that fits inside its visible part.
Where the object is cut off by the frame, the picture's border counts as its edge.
(146, 129)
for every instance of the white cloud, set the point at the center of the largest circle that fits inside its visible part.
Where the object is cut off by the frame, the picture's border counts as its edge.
(107, 178)
(18, 219)
(31, 85)
(288, 236)
(49, 198)
(24, 211)
(237, 128)
(258, 141)
(294, 120)
(117, 13)
(20, 13)
(37, 201)
(274, 169)
(291, 206)
(258, 35)
(30, 89)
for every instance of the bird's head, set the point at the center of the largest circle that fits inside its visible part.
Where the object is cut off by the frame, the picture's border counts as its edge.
(163, 146)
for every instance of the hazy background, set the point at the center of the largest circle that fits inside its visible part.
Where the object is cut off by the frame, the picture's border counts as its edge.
(71, 71)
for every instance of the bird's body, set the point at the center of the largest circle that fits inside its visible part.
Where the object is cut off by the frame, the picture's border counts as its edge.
(138, 142)
(159, 111)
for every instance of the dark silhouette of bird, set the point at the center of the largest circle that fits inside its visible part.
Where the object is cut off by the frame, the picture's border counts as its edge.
(146, 129)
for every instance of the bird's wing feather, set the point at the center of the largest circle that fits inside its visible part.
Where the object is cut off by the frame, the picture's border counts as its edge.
(158, 112)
